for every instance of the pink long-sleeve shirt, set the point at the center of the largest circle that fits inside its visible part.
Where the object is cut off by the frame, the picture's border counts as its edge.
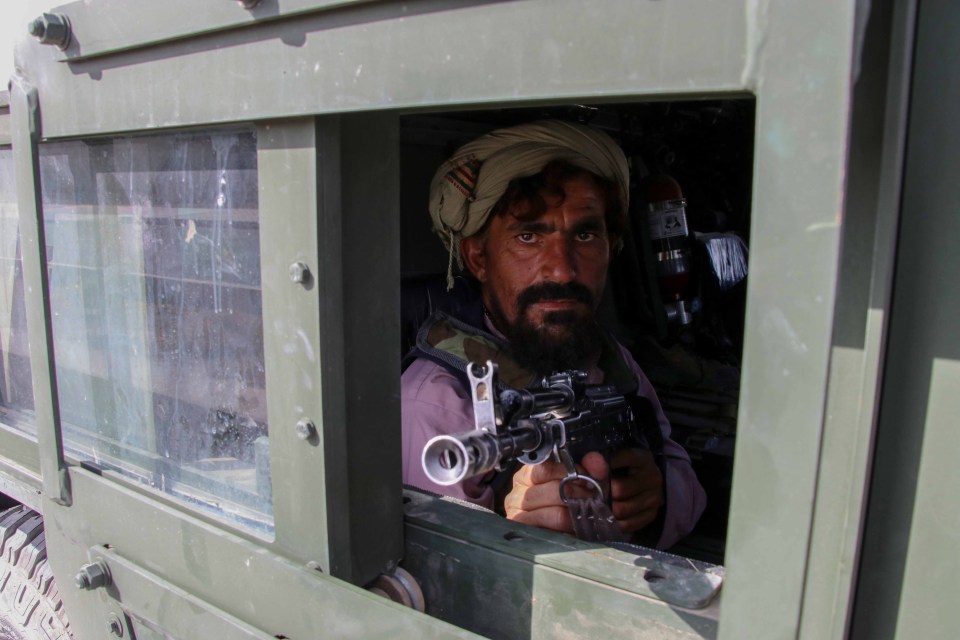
(434, 402)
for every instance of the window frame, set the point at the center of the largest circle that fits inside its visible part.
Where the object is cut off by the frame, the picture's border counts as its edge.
(19, 478)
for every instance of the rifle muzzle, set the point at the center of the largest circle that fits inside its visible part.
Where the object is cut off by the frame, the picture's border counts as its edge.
(449, 459)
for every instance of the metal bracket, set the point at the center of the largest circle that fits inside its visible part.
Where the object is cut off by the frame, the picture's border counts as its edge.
(25, 116)
(483, 390)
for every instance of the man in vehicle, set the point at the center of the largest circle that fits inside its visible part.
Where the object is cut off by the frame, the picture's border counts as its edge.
(534, 213)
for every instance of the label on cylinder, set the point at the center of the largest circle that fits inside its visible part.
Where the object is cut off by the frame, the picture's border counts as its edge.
(667, 223)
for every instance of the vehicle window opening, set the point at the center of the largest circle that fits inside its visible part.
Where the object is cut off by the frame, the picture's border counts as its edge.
(685, 327)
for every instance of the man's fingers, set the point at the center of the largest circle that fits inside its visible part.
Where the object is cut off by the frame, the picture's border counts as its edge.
(531, 474)
(535, 498)
(596, 467)
(636, 484)
(634, 472)
(636, 489)
(529, 495)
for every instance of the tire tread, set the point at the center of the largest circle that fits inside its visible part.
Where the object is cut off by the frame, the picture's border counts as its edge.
(29, 598)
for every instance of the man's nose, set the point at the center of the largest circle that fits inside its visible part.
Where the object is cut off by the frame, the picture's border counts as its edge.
(560, 263)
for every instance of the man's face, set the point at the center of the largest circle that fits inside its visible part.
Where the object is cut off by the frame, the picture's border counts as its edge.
(542, 277)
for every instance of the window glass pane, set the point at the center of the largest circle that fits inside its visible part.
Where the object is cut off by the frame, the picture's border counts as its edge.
(16, 384)
(154, 262)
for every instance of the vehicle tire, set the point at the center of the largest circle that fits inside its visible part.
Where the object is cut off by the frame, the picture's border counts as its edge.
(30, 604)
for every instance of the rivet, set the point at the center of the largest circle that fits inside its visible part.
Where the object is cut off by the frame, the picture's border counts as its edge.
(114, 626)
(299, 272)
(306, 429)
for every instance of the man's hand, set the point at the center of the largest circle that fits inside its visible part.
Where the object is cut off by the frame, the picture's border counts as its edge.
(636, 487)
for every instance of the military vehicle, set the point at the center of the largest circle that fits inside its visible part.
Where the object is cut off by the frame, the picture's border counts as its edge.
(215, 243)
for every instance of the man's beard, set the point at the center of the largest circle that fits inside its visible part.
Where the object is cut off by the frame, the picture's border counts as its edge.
(566, 340)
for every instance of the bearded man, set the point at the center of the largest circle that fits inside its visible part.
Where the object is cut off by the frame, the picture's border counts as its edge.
(534, 213)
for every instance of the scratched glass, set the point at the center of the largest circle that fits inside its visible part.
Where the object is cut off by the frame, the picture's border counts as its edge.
(16, 383)
(153, 257)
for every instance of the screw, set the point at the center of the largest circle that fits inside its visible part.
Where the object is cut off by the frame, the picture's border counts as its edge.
(51, 28)
(306, 429)
(114, 626)
(93, 576)
(299, 272)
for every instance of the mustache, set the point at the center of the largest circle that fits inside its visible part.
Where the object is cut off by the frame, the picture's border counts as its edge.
(553, 291)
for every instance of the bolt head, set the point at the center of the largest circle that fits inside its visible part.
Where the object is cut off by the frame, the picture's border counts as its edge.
(306, 429)
(115, 627)
(299, 272)
(92, 576)
(51, 28)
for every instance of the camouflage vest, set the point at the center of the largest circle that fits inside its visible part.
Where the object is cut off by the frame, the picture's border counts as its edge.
(453, 344)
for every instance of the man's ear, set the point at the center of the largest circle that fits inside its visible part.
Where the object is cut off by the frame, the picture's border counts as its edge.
(473, 249)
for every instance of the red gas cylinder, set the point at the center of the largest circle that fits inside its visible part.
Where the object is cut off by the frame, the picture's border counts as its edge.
(672, 245)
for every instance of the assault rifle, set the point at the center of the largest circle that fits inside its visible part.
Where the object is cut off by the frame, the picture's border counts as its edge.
(561, 417)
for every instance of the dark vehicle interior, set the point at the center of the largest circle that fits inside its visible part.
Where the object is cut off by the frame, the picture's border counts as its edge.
(692, 358)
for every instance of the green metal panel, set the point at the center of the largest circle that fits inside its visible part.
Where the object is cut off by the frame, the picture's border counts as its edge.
(875, 163)
(286, 161)
(368, 314)
(19, 449)
(541, 584)
(909, 561)
(803, 81)
(116, 25)
(932, 563)
(226, 572)
(141, 600)
(331, 354)
(26, 135)
(389, 55)
(19, 483)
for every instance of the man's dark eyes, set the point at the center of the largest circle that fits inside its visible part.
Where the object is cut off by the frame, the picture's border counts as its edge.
(528, 237)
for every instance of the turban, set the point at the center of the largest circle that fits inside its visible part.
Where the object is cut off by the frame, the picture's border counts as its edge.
(467, 186)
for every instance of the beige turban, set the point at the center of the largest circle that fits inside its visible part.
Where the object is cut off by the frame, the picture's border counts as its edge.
(468, 185)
